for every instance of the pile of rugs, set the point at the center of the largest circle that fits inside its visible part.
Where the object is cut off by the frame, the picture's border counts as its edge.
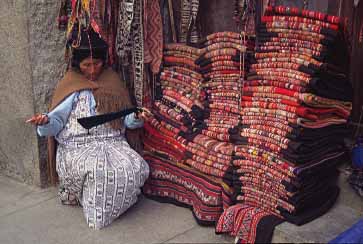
(295, 106)
(210, 152)
(186, 141)
(174, 146)
(249, 140)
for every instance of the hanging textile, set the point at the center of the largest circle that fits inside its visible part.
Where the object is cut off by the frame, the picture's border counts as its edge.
(166, 22)
(126, 16)
(244, 15)
(103, 22)
(189, 31)
(153, 35)
(63, 14)
(138, 53)
(130, 43)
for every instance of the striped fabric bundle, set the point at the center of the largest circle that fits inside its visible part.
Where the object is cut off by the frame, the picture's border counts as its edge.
(187, 168)
(222, 67)
(296, 101)
(186, 143)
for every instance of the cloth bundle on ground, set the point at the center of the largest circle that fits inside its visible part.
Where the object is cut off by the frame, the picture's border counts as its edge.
(187, 168)
(248, 223)
(183, 172)
(179, 184)
(295, 105)
(186, 132)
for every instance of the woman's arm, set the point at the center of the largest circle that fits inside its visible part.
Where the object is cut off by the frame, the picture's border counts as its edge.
(131, 122)
(57, 118)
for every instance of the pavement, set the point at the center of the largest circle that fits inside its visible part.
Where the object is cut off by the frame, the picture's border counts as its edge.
(33, 215)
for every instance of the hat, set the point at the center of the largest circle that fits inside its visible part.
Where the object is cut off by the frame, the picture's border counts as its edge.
(85, 44)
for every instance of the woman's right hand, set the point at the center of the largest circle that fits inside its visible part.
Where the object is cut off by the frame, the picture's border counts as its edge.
(38, 119)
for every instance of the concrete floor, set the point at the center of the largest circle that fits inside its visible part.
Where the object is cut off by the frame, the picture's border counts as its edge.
(31, 215)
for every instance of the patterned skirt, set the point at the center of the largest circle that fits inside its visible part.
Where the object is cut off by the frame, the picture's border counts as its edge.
(104, 176)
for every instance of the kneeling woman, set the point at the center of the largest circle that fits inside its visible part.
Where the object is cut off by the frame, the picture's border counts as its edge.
(97, 168)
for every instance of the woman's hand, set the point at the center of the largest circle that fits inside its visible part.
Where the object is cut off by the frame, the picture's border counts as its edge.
(144, 114)
(38, 119)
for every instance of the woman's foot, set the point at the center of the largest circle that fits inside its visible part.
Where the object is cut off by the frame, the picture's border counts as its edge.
(67, 198)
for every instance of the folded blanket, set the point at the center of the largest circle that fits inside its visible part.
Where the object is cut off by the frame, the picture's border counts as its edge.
(249, 224)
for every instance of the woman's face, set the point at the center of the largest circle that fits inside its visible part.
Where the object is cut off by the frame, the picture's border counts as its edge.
(91, 67)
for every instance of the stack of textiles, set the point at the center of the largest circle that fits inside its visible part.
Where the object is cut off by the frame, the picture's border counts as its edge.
(295, 108)
(219, 62)
(206, 147)
(173, 141)
(180, 97)
(208, 151)
(222, 67)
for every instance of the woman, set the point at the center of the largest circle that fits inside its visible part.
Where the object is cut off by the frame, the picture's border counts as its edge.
(97, 168)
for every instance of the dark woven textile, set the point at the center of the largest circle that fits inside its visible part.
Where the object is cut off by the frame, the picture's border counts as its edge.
(248, 224)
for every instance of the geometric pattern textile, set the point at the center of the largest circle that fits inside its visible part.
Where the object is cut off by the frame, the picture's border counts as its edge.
(97, 168)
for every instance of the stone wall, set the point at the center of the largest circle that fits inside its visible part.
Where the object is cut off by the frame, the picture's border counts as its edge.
(32, 61)
(18, 142)
(46, 52)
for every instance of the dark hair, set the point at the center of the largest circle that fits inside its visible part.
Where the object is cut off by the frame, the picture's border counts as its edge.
(78, 56)
(90, 44)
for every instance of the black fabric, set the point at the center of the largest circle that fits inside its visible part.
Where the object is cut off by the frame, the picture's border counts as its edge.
(317, 208)
(92, 121)
(312, 157)
(301, 133)
(266, 227)
(331, 88)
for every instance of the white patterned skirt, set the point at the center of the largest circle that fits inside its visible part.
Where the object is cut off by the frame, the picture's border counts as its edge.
(104, 176)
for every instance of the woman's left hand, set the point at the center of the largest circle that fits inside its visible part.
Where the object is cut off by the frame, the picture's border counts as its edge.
(38, 119)
(144, 114)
